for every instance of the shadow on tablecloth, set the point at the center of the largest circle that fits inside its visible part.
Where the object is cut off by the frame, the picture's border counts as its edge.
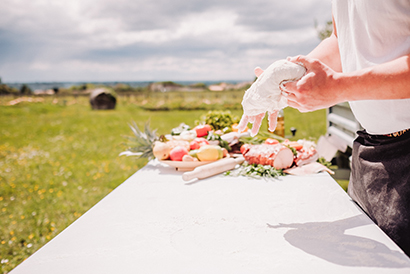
(327, 240)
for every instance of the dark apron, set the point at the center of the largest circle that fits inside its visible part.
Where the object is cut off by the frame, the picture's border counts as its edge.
(380, 183)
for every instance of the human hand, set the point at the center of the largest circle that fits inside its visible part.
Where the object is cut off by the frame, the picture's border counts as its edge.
(317, 89)
(256, 120)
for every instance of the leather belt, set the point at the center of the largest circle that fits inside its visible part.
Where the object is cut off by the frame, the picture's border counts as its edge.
(397, 133)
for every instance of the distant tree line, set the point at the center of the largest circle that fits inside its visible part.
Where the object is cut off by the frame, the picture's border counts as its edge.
(24, 90)
(117, 88)
(5, 89)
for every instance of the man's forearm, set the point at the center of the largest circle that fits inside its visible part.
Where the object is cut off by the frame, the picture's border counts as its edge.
(385, 81)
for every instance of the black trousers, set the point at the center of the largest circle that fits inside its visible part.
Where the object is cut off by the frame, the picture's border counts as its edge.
(380, 183)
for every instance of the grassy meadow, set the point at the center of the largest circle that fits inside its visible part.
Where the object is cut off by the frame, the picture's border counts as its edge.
(58, 157)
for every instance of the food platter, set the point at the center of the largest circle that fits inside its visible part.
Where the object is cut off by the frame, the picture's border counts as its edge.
(187, 166)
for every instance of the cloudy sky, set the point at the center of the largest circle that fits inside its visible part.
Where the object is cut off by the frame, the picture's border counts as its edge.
(152, 40)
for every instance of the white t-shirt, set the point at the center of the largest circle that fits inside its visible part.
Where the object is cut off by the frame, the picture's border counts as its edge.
(372, 32)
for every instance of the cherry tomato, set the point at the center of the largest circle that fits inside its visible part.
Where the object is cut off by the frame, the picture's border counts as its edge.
(202, 130)
(271, 141)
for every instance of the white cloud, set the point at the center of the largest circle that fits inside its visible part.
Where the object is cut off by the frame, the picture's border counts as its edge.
(109, 40)
(207, 22)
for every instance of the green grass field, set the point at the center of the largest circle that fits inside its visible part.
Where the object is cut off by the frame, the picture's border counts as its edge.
(58, 158)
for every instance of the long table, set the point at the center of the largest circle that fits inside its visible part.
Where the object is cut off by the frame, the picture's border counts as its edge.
(155, 222)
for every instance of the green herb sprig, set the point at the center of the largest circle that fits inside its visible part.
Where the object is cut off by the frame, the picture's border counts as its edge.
(218, 119)
(256, 171)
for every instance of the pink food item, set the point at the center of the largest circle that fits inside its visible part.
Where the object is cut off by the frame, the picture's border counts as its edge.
(177, 153)
(278, 156)
(197, 143)
(306, 156)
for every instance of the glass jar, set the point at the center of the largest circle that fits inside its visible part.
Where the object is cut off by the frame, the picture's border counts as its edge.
(280, 126)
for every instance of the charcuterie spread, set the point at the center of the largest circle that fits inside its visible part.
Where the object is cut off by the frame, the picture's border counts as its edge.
(208, 149)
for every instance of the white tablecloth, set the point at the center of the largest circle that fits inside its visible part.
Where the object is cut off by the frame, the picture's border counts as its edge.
(156, 223)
